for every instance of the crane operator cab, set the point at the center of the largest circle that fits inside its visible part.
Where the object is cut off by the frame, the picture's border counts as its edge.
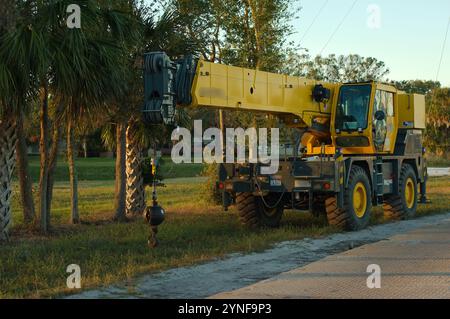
(365, 120)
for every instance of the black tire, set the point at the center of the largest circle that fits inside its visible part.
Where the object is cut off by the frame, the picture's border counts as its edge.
(347, 218)
(396, 206)
(253, 212)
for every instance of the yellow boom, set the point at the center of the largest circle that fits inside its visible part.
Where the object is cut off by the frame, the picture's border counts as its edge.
(288, 97)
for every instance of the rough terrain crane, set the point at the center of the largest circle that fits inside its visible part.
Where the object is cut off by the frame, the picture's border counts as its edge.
(360, 146)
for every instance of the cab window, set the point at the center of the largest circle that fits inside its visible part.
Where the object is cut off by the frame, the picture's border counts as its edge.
(353, 107)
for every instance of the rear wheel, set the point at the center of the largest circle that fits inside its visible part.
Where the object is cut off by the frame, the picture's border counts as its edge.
(357, 203)
(404, 204)
(256, 212)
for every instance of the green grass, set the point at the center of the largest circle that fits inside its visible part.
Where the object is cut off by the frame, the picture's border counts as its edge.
(435, 161)
(194, 232)
(102, 169)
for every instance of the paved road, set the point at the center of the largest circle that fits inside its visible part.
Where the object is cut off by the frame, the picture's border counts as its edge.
(415, 264)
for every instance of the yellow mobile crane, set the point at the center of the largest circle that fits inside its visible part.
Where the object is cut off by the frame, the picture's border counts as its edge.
(361, 143)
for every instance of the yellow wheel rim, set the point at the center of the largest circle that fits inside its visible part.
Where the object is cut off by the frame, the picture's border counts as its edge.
(410, 193)
(360, 200)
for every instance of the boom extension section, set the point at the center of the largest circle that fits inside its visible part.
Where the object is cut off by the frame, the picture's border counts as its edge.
(299, 102)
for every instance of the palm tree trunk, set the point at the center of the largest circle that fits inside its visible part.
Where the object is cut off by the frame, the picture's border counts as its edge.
(85, 147)
(23, 172)
(8, 137)
(121, 183)
(8, 14)
(8, 141)
(52, 166)
(72, 171)
(135, 182)
(43, 150)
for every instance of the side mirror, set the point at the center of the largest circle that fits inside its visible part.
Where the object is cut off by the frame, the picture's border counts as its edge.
(380, 115)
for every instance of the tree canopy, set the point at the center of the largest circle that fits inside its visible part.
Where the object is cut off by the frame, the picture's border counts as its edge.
(336, 68)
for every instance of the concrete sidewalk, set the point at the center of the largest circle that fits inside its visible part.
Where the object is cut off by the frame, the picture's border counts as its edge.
(413, 265)
(438, 171)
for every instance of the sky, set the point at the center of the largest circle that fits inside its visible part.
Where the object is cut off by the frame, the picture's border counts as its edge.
(408, 35)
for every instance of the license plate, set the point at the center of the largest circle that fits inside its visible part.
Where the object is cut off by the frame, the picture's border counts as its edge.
(302, 184)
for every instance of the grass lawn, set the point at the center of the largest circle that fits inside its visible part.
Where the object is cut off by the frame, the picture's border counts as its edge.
(102, 169)
(194, 232)
(435, 161)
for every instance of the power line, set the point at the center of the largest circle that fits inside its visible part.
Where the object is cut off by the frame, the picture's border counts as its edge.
(338, 26)
(443, 50)
(314, 20)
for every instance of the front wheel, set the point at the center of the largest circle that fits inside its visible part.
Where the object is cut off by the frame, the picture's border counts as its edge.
(356, 212)
(255, 211)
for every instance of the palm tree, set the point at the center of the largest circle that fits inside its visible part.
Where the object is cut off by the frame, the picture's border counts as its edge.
(53, 156)
(8, 129)
(135, 195)
(163, 34)
(85, 68)
(121, 182)
(80, 67)
(7, 149)
(114, 135)
(23, 172)
(19, 52)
